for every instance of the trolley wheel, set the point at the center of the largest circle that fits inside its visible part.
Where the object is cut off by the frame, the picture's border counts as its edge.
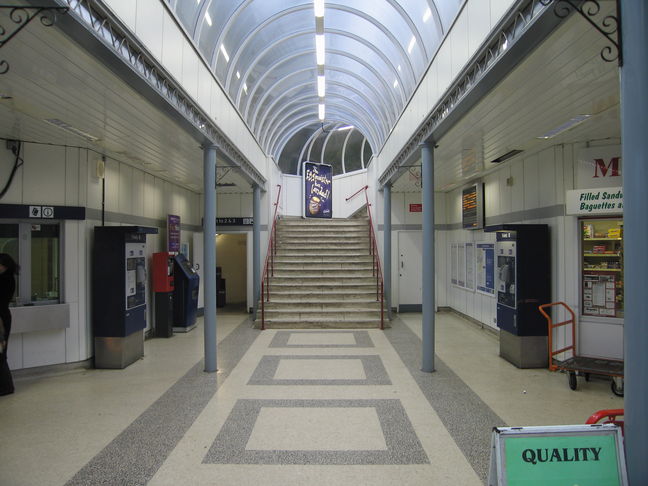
(587, 377)
(617, 390)
(572, 380)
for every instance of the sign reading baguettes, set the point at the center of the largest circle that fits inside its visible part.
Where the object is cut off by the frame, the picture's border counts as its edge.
(318, 188)
(604, 200)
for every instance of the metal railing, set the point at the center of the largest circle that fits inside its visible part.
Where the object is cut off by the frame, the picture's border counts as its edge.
(268, 267)
(373, 251)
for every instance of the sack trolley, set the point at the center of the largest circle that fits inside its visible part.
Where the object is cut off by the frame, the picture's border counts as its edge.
(579, 365)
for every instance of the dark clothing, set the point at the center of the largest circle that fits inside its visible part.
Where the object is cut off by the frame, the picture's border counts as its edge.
(7, 289)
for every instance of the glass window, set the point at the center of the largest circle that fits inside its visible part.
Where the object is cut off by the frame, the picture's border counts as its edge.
(37, 249)
(602, 263)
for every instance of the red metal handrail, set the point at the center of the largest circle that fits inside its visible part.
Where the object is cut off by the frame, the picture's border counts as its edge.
(373, 251)
(268, 267)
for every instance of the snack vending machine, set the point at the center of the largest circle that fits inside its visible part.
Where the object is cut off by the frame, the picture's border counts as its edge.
(119, 294)
(523, 282)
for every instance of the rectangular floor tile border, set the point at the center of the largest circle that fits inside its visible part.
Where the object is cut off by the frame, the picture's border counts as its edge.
(375, 371)
(362, 338)
(464, 414)
(136, 454)
(403, 446)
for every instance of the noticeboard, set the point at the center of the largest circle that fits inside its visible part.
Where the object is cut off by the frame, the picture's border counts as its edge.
(583, 455)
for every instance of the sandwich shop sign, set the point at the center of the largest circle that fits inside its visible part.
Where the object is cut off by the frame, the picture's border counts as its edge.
(604, 200)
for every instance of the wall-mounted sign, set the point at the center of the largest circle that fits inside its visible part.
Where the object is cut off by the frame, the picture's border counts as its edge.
(416, 208)
(485, 268)
(318, 185)
(583, 455)
(604, 200)
(41, 212)
(599, 167)
(234, 221)
(472, 207)
(173, 232)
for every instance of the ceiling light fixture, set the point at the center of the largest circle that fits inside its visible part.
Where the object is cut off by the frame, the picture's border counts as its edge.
(225, 54)
(395, 83)
(69, 128)
(238, 75)
(208, 18)
(322, 111)
(427, 14)
(321, 86)
(319, 8)
(577, 120)
(348, 127)
(319, 49)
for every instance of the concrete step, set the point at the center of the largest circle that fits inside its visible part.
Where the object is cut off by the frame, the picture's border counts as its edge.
(316, 270)
(323, 280)
(306, 232)
(332, 295)
(321, 324)
(316, 304)
(307, 259)
(303, 222)
(342, 253)
(323, 266)
(316, 240)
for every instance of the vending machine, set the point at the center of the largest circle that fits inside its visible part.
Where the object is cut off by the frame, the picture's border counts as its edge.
(119, 294)
(523, 282)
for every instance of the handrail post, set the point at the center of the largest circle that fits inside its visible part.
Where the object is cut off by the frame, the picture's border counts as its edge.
(262, 308)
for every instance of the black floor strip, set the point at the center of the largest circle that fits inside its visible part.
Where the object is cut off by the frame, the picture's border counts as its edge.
(466, 417)
(136, 454)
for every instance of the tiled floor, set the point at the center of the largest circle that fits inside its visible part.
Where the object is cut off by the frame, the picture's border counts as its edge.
(286, 408)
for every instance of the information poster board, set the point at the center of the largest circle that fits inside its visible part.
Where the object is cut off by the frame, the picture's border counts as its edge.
(485, 268)
(318, 185)
(583, 455)
(470, 266)
(173, 233)
(461, 265)
(453, 264)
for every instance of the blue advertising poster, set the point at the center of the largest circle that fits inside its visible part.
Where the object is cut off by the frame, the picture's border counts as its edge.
(318, 185)
(173, 233)
(485, 267)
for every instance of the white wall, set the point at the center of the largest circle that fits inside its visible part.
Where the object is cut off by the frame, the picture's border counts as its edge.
(66, 176)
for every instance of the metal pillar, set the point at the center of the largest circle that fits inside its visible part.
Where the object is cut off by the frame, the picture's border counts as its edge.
(256, 248)
(387, 253)
(429, 304)
(634, 120)
(209, 261)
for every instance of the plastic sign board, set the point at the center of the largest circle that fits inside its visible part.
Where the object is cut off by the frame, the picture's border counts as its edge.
(318, 187)
(173, 233)
(604, 200)
(583, 455)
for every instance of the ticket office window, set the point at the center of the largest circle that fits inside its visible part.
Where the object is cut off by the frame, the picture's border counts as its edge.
(36, 247)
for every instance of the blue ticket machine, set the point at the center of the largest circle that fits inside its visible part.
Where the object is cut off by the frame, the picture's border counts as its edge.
(523, 282)
(119, 294)
(185, 294)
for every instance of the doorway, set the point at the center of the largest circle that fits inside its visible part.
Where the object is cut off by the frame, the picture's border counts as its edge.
(410, 271)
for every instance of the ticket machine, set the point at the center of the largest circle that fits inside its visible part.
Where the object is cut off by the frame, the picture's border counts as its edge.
(119, 294)
(185, 294)
(523, 282)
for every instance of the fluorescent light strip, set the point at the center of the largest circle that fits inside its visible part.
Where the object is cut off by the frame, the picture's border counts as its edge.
(427, 15)
(208, 18)
(348, 127)
(319, 8)
(238, 75)
(321, 111)
(577, 120)
(225, 54)
(321, 86)
(319, 49)
(395, 83)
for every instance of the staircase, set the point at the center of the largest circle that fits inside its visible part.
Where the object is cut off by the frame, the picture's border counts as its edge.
(323, 276)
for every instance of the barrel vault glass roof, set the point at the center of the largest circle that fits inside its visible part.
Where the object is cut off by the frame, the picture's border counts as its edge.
(263, 54)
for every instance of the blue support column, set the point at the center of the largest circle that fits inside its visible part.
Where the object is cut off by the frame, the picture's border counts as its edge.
(256, 248)
(429, 304)
(387, 253)
(209, 261)
(634, 120)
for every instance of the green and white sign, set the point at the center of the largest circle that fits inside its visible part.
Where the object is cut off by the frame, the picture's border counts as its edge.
(575, 455)
(604, 200)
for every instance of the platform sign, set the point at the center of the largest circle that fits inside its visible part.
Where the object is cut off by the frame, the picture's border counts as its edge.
(583, 455)
(318, 185)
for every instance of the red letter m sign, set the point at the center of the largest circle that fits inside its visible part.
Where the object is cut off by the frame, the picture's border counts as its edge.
(613, 166)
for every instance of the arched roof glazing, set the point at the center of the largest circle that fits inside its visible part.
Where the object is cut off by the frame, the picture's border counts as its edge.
(263, 54)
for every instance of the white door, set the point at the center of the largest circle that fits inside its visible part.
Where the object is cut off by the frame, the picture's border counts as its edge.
(410, 271)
